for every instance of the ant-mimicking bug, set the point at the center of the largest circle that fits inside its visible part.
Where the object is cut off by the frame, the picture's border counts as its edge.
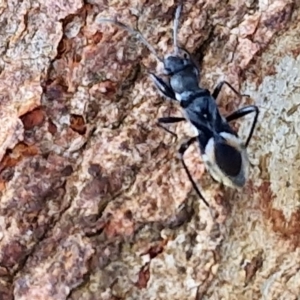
(224, 153)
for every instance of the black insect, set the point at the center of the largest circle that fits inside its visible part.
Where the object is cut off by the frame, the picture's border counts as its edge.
(224, 153)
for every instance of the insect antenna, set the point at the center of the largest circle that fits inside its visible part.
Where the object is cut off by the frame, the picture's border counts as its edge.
(175, 27)
(136, 33)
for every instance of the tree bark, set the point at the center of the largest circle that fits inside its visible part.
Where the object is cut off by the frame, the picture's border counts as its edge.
(94, 201)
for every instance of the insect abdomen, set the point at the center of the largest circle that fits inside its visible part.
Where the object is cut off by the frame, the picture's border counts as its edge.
(228, 158)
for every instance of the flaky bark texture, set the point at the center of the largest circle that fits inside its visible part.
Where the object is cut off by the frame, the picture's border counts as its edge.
(95, 203)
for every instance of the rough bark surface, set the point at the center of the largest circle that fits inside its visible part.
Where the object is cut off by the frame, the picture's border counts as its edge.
(95, 203)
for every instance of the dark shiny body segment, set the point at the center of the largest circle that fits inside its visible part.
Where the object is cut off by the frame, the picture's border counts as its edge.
(202, 111)
(228, 159)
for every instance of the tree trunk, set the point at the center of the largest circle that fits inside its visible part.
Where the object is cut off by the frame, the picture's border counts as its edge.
(95, 203)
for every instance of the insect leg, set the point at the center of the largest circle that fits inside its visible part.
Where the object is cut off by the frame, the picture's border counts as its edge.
(163, 86)
(219, 86)
(169, 120)
(243, 112)
(181, 151)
